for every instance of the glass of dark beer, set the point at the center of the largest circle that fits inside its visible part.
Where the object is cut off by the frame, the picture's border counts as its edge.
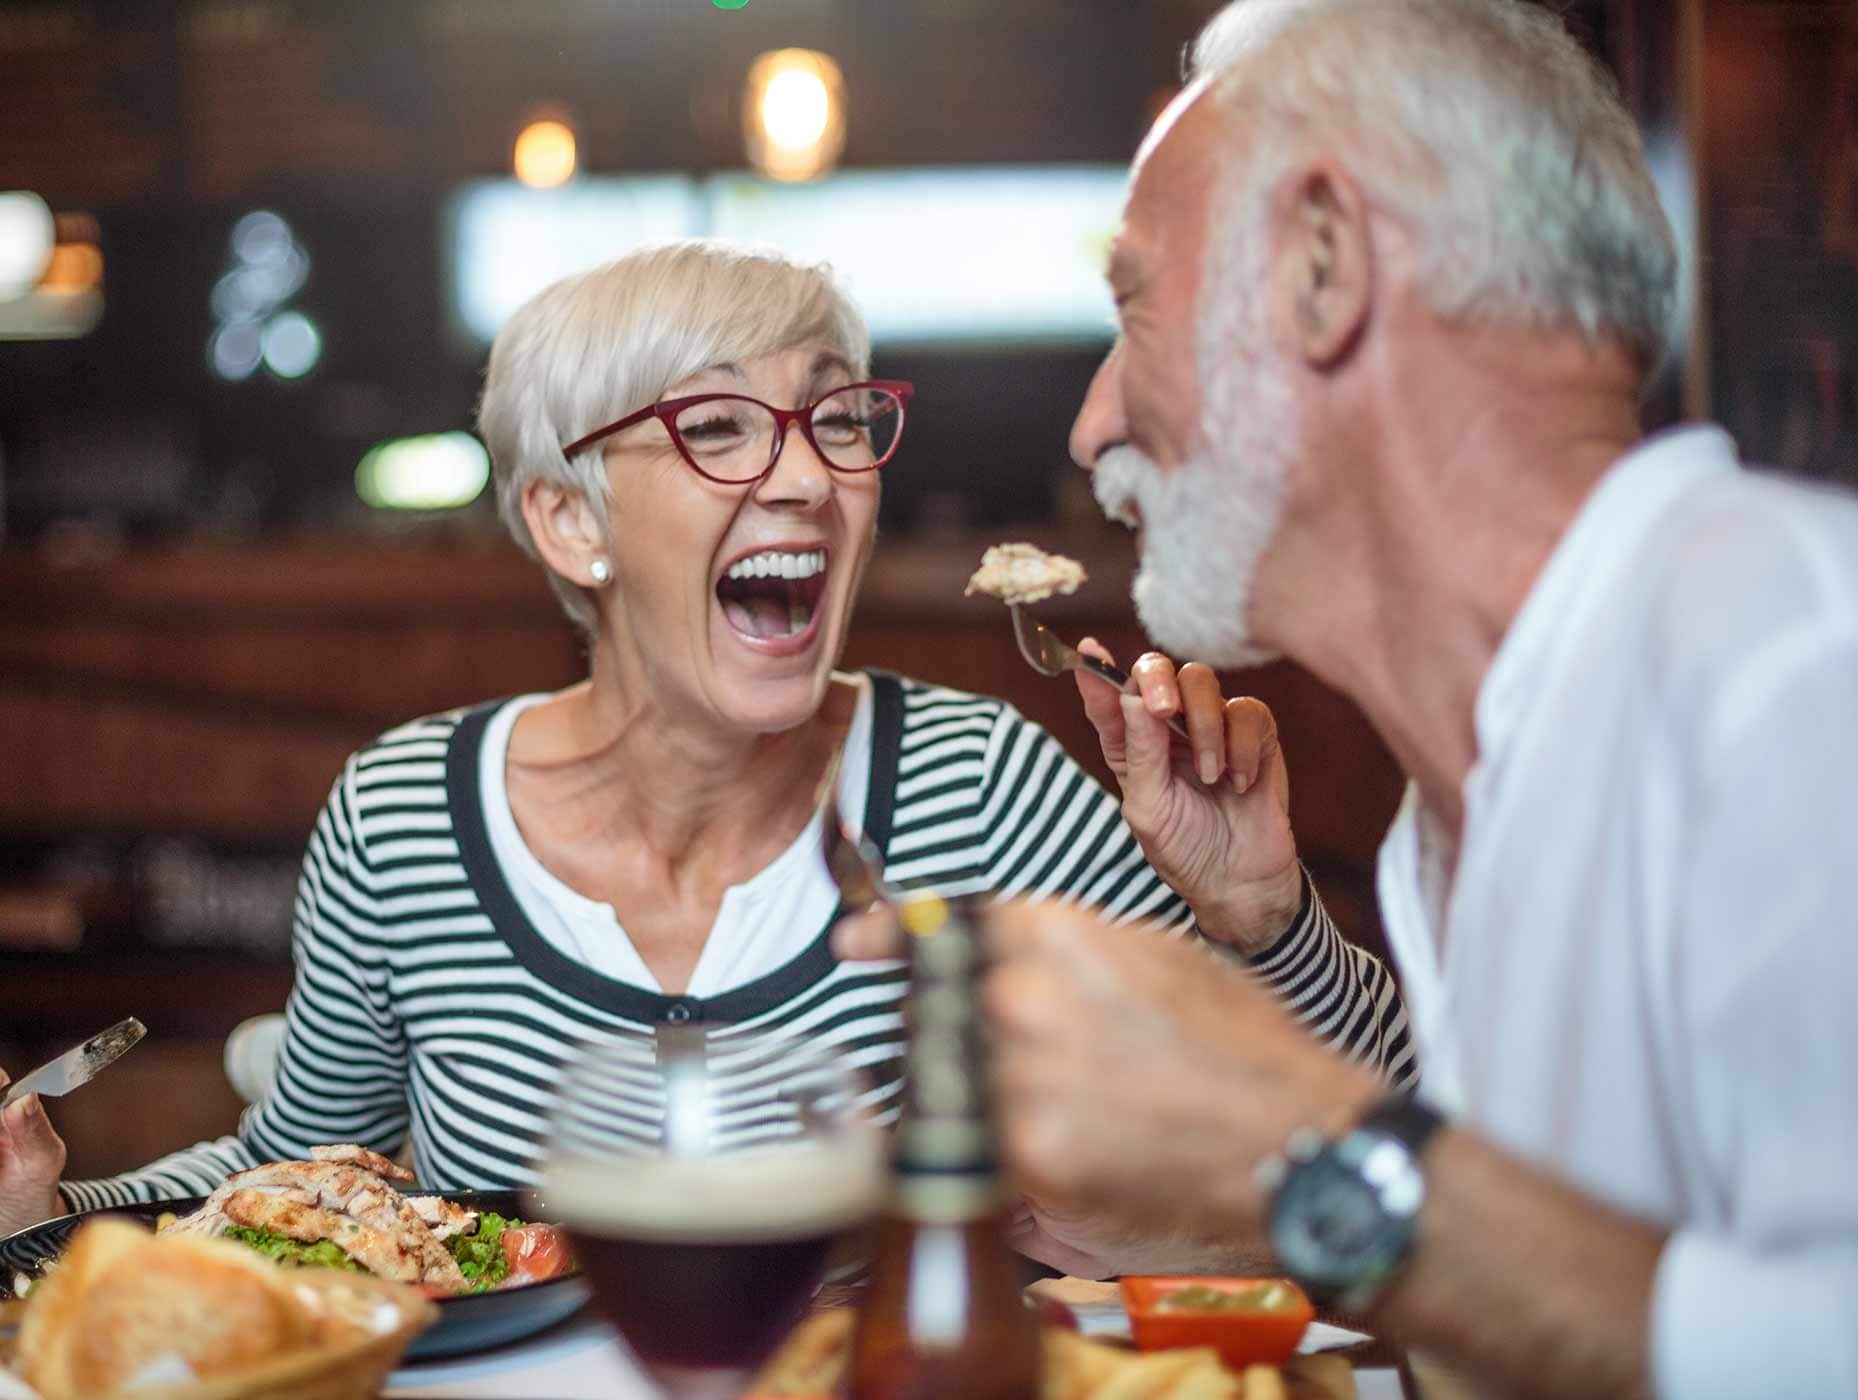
(705, 1177)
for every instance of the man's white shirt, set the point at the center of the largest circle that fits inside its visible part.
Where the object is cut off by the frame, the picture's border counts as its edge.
(1645, 974)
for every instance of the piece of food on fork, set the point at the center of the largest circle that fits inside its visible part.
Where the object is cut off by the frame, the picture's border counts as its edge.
(1023, 573)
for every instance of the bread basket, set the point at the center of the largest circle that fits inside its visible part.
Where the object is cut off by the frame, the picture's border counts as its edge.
(184, 1318)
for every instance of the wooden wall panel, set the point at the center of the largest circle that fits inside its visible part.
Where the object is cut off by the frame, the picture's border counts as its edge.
(215, 691)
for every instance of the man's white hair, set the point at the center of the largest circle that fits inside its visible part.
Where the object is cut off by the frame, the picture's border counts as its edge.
(596, 346)
(1483, 127)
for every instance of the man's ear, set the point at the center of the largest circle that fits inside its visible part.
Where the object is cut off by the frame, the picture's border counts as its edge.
(1322, 265)
(565, 531)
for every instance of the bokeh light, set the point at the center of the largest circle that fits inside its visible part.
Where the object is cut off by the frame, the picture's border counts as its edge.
(545, 154)
(292, 345)
(28, 233)
(236, 350)
(794, 114)
(437, 471)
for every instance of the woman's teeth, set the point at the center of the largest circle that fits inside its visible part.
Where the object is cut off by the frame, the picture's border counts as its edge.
(774, 593)
(778, 564)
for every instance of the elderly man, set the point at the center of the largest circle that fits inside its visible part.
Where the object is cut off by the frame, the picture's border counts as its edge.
(1391, 275)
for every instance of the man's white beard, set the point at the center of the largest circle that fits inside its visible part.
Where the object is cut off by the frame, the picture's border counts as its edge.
(1207, 521)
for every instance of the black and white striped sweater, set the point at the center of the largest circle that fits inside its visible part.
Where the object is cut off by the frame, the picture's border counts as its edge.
(425, 1003)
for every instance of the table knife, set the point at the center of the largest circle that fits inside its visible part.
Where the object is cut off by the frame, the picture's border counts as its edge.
(79, 1065)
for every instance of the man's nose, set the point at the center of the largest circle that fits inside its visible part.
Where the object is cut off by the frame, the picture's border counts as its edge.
(1099, 425)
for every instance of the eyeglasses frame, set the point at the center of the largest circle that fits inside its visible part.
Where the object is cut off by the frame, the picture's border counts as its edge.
(666, 411)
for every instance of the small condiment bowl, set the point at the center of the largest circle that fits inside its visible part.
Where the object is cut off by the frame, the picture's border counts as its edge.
(1243, 1335)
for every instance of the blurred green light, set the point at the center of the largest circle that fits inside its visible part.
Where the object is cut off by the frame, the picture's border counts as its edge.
(437, 471)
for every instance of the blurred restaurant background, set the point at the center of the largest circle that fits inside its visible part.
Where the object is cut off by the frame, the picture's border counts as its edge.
(252, 253)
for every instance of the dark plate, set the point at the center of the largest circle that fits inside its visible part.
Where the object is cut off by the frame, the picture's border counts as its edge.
(470, 1323)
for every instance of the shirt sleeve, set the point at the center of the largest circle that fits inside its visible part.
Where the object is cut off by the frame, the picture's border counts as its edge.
(1760, 1297)
(1050, 830)
(341, 1070)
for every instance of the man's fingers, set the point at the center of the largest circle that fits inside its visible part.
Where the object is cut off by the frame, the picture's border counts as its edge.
(1204, 710)
(1251, 740)
(868, 937)
(1154, 677)
(1148, 758)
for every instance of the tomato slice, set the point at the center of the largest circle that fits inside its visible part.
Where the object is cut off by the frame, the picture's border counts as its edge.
(535, 1253)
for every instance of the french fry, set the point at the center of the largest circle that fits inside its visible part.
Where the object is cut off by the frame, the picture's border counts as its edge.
(1320, 1376)
(1076, 1366)
(1264, 1383)
(1208, 1380)
(812, 1359)
(1152, 1375)
(817, 1355)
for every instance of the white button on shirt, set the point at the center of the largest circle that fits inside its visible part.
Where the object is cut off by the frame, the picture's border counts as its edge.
(1645, 975)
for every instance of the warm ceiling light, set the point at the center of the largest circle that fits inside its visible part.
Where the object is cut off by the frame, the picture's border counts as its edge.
(545, 154)
(794, 114)
(74, 268)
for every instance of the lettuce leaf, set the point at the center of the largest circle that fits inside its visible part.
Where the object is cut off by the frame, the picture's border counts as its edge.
(324, 1254)
(480, 1256)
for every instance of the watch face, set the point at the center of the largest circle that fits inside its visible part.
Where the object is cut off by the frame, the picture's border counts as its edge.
(1331, 1229)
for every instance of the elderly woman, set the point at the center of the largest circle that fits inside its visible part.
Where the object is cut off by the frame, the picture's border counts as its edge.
(689, 442)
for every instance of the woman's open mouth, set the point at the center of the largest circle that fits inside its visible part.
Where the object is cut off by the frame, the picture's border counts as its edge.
(772, 598)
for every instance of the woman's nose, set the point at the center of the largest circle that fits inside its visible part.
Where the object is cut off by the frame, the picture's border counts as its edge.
(799, 477)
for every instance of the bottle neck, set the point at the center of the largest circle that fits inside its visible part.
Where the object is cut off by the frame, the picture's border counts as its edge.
(945, 1161)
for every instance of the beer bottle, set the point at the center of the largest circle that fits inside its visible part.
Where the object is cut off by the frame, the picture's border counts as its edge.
(943, 1316)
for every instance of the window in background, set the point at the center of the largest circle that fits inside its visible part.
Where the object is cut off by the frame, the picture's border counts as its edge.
(507, 241)
(976, 258)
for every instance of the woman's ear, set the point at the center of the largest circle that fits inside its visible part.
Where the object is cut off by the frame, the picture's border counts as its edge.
(1322, 267)
(567, 534)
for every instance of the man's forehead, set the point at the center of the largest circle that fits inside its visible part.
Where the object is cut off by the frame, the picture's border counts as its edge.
(1169, 186)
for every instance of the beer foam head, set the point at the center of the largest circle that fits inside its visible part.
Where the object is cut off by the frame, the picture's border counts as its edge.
(784, 1191)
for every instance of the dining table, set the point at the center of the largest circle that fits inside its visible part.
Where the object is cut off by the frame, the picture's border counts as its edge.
(581, 1358)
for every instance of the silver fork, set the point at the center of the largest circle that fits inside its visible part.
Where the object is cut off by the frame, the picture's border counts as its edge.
(852, 858)
(1050, 655)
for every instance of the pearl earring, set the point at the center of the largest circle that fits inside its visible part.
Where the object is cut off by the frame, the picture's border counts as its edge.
(600, 571)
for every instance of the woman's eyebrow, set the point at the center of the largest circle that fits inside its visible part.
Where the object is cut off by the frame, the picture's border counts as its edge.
(827, 360)
(687, 383)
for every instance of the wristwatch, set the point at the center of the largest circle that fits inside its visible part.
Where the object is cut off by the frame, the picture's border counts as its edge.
(1344, 1213)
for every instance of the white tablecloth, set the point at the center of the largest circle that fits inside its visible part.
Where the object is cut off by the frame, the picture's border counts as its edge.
(579, 1359)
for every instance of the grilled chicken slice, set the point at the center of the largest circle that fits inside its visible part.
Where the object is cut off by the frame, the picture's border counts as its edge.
(446, 1218)
(377, 1251)
(340, 1189)
(356, 1155)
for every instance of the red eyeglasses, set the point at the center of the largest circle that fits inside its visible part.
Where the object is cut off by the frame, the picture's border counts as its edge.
(733, 439)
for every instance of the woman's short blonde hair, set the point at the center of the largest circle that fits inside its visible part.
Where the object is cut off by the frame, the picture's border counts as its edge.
(596, 346)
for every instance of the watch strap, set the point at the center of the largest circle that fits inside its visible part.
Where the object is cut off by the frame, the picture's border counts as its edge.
(1404, 1118)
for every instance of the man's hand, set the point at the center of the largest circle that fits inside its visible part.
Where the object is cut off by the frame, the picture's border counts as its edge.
(1213, 816)
(1141, 1080)
(32, 1156)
